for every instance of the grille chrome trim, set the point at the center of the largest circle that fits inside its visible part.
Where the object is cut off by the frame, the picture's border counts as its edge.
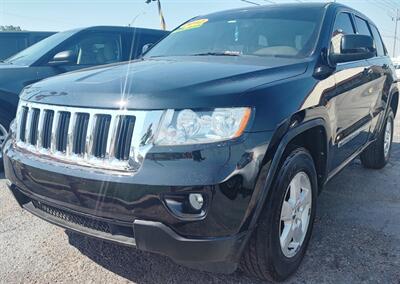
(145, 122)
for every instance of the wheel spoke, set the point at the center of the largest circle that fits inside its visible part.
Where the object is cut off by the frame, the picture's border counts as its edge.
(305, 198)
(286, 237)
(287, 211)
(297, 233)
(295, 187)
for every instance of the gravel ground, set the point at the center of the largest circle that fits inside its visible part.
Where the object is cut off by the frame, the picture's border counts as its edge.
(356, 239)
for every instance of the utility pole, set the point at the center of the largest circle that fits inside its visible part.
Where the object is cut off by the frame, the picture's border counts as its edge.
(396, 20)
(160, 13)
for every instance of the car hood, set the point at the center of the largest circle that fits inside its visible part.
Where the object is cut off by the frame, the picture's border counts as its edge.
(165, 82)
(5, 65)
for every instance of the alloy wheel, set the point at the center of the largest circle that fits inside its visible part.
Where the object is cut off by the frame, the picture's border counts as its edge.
(295, 214)
(388, 137)
(3, 136)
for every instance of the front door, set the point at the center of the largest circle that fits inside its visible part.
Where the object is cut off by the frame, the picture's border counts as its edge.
(350, 104)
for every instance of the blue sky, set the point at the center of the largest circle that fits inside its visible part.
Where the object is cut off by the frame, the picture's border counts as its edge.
(57, 15)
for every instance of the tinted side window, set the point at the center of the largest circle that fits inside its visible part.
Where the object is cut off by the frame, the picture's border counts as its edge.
(378, 41)
(362, 27)
(343, 24)
(96, 48)
(11, 44)
(141, 39)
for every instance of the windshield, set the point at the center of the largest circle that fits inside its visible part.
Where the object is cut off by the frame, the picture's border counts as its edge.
(35, 52)
(284, 31)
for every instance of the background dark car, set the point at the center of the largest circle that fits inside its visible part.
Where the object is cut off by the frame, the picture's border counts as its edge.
(13, 42)
(64, 52)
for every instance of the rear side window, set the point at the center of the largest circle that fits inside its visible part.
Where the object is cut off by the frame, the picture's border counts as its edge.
(343, 24)
(11, 44)
(378, 41)
(362, 27)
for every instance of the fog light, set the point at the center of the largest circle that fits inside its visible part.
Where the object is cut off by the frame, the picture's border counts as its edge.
(196, 200)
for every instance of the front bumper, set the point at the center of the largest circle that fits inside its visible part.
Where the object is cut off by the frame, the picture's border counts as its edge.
(131, 209)
(211, 254)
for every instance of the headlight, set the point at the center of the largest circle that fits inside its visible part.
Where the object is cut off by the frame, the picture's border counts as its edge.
(198, 127)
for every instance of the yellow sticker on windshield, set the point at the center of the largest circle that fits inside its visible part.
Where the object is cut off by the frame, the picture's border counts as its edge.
(192, 25)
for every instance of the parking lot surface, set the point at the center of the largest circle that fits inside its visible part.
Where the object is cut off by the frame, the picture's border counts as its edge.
(356, 239)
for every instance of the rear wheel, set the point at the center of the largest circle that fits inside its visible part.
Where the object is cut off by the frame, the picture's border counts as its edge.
(377, 155)
(5, 121)
(280, 240)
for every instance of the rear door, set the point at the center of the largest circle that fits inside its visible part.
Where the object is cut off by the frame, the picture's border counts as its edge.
(381, 75)
(350, 105)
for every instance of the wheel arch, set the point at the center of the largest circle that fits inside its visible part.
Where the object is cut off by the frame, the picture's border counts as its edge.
(295, 133)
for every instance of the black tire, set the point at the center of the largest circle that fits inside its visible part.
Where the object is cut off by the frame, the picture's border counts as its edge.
(5, 120)
(263, 257)
(374, 156)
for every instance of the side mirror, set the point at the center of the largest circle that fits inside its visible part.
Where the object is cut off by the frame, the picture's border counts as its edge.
(62, 58)
(352, 48)
(147, 47)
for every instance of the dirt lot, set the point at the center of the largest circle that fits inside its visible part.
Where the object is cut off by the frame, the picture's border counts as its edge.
(356, 239)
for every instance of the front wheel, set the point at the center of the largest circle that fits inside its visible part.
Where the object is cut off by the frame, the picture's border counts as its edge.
(279, 242)
(377, 155)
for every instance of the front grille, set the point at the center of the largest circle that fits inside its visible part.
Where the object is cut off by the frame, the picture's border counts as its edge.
(101, 135)
(62, 133)
(22, 127)
(124, 137)
(47, 128)
(106, 139)
(82, 121)
(74, 218)
(33, 135)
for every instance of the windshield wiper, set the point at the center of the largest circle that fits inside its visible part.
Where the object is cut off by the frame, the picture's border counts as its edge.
(225, 53)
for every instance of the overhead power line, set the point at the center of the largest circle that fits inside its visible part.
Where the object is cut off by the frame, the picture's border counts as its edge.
(250, 2)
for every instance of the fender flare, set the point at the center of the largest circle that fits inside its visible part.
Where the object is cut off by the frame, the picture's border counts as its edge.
(393, 91)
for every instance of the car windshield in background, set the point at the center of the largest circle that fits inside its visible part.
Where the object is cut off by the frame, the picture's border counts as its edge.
(35, 52)
(270, 32)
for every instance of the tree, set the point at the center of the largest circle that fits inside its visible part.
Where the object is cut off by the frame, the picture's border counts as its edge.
(163, 24)
(10, 28)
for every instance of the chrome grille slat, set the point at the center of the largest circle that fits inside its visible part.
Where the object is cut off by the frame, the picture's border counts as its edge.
(39, 143)
(70, 138)
(100, 138)
(111, 137)
(54, 131)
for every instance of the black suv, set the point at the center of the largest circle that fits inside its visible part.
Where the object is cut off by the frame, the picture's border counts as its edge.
(63, 52)
(213, 148)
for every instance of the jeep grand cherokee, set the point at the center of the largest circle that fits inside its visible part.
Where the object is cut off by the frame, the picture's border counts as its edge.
(213, 148)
